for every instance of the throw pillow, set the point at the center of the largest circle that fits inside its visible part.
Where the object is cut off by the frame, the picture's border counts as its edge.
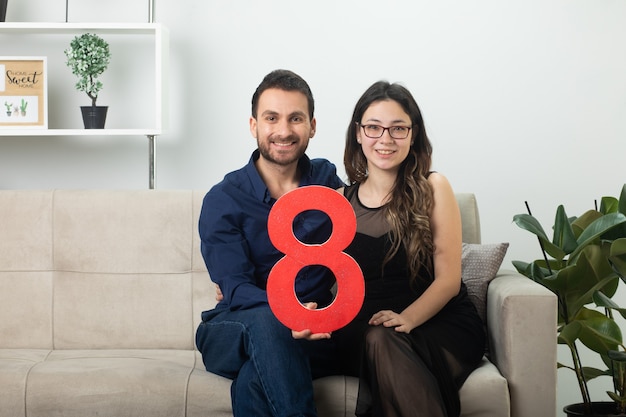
(480, 264)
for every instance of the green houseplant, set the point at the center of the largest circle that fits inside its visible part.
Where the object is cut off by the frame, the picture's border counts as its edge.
(88, 56)
(23, 106)
(583, 264)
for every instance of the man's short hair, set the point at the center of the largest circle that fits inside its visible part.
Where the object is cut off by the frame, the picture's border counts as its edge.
(283, 80)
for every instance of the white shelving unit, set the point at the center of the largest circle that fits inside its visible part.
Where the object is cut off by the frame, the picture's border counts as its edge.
(161, 65)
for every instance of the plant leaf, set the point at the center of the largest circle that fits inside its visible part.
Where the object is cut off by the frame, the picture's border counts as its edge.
(608, 205)
(564, 236)
(622, 201)
(581, 223)
(575, 284)
(598, 332)
(591, 373)
(602, 300)
(532, 225)
(617, 257)
(617, 355)
(597, 228)
(535, 270)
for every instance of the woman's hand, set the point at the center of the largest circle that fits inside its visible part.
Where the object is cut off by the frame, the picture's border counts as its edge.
(390, 318)
(306, 334)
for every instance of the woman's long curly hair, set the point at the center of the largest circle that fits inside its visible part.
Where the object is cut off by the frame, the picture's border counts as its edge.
(411, 199)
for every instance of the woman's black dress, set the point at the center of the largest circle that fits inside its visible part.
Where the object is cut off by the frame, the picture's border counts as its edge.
(416, 374)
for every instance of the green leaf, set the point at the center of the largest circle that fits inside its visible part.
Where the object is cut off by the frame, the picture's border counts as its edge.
(622, 201)
(617, 257)
(597, 228)
(617, 355)
(614, 396)
(591, 373)
(602, 300)
(535, 270)
(570, 333)
(581, 223)
(575, 284)
(529, 223)
(532, 225)
(564, 236)
(608, 205)
(598, 332)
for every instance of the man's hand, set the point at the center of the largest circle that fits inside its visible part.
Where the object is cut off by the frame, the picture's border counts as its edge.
(218, 293)
(306, 334)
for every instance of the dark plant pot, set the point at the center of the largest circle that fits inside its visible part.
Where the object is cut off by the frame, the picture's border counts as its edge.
(599, 409)
(94, 116)
(3, 10)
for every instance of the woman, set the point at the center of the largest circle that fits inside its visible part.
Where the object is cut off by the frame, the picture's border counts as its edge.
(422, 335)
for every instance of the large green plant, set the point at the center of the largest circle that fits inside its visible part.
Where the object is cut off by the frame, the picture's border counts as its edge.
(583, 264)
(88, 57)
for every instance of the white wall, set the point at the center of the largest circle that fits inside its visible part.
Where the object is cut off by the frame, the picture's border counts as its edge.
(523, 99)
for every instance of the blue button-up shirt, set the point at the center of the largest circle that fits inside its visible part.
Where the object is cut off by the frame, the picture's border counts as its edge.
(234, 240)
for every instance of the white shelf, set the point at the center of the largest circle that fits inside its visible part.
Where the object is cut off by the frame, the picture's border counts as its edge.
(64, 27)
(161, 66)
(78, 132)
(161, 53)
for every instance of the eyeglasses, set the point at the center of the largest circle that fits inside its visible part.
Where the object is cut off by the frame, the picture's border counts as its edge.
(377, 131)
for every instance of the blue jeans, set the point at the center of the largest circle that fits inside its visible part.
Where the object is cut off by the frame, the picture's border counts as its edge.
(271, 371)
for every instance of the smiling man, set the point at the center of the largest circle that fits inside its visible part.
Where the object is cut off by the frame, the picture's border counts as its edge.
(271, 367)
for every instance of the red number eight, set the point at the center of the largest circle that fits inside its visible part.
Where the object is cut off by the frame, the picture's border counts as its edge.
(280, 284)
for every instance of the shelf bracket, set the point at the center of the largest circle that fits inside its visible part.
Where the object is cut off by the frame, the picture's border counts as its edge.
(151, 160)
(150, 11)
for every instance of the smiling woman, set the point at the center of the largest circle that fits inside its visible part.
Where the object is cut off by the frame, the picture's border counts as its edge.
(418, 326)
(385, 148)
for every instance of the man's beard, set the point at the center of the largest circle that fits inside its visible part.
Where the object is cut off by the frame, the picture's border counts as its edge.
(264, 149)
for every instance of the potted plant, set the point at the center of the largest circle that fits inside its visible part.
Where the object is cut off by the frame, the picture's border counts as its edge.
(88, 57)
(23, 106)
(9, 108)
(583, 264)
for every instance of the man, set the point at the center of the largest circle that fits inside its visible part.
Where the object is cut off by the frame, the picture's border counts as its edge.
(271, 366)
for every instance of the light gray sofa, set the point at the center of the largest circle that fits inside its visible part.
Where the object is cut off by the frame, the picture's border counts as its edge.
(101, 292)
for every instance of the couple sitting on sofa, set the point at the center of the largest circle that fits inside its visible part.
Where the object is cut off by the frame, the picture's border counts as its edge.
(417, 335)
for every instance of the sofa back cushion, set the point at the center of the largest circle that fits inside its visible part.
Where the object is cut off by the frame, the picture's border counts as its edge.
(469, 217)
(84, 269)
(26, 269)
(110, 269)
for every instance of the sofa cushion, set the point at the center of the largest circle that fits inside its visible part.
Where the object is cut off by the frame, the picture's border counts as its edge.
(480, 264)
(133, 382)
(122, 311)
(15, 366)
(26, 230)
(135, 232)
(26, 297)
(485, 393)
(208, 394)
(336, 395)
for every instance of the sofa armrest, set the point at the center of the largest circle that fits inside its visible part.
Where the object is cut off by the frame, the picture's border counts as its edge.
(521, 321)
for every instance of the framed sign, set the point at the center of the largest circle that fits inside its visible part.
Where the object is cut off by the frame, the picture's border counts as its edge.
(23, 92)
